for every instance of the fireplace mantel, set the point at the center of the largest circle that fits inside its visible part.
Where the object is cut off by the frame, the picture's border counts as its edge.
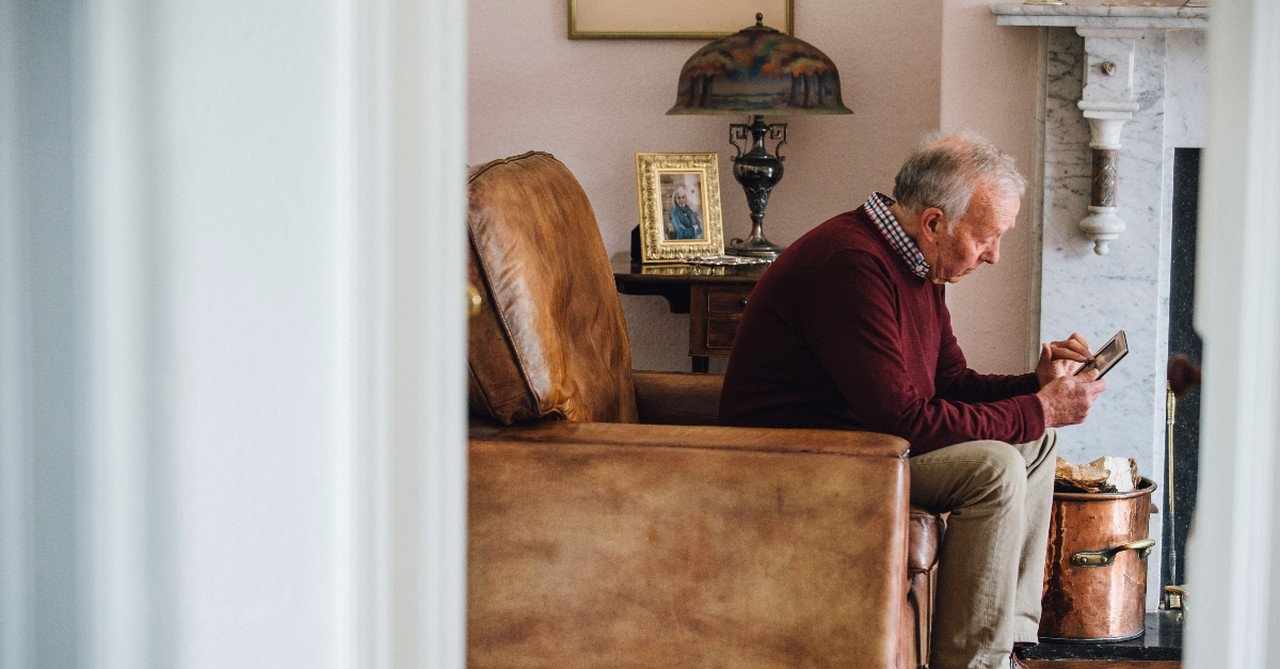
(1100, 16)
(1121, 88)
(1107, 100)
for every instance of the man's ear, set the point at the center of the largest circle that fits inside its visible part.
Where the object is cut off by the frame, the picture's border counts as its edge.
(930, 221)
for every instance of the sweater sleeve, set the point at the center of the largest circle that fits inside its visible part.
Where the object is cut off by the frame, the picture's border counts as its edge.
(855, 326)
(957, 382)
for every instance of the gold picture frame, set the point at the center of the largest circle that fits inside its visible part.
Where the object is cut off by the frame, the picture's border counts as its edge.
(679, 199)
(674, 19)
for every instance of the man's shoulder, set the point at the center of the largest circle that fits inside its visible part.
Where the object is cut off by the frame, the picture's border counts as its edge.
(851, 234)
(839, 229)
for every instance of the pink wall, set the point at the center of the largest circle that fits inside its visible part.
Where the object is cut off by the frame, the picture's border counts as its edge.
(596, 103)
(990, 77)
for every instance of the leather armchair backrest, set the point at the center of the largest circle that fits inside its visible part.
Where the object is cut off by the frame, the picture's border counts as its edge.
(550, 339)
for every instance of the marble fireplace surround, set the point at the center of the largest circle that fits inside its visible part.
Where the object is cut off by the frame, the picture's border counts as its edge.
(1121, 88)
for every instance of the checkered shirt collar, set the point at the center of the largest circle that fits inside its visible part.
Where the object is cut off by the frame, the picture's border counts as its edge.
(878, 207)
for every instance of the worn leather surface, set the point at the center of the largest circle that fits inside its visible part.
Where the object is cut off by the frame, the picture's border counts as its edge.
(925, 532)
(760, 439)
(550, 339)
(678, 398)
(682, 398)
(918, 624)
(595, 545)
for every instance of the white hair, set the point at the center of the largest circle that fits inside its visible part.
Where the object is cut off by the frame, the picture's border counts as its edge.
(948, 168)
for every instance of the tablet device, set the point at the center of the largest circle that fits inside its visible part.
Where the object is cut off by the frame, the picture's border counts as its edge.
(1107, 356)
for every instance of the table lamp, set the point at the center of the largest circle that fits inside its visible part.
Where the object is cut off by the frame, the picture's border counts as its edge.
(758, 71)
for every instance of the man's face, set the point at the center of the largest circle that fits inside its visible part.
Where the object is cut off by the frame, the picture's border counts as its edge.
(976, 239)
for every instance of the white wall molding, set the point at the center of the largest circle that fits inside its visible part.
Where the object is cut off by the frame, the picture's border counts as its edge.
(123, 499)
(15, 614)
(427, 142)
(408, 242)
(46, 608)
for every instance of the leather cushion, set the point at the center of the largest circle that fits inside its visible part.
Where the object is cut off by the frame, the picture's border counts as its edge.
(924, 533)
(678, 398)
(550, 339)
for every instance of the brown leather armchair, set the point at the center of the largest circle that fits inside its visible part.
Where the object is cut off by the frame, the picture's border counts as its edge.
(611, 524)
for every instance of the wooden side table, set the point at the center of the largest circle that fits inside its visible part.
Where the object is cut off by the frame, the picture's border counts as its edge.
(714, 298)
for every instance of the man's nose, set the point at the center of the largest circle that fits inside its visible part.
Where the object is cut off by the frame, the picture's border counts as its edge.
(992, 255)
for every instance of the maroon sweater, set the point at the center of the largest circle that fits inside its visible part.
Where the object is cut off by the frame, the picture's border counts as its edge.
(840, 334)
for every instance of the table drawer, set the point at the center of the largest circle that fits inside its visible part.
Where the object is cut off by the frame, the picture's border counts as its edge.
(727, 300)
(714, 314)
(720, 335)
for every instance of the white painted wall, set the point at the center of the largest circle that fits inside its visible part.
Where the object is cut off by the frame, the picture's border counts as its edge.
(989, 83)
(249, 348)
(231, 313)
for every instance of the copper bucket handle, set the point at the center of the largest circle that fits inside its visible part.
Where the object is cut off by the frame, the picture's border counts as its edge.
(1106, 556)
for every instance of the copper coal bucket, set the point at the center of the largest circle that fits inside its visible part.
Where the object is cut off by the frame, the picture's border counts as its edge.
(1096, 570)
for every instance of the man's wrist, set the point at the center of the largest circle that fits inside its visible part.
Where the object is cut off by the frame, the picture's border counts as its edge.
(1047, 410)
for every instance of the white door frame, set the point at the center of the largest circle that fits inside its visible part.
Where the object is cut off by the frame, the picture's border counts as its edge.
(401, 458)
(409, 326)
(1231, 560)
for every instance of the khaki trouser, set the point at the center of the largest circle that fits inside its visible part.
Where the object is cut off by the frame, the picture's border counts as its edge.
(991, 563)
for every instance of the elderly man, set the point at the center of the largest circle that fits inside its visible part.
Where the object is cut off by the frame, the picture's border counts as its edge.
(849, 330)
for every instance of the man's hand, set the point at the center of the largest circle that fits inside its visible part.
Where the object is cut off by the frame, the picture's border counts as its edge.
(1066, 399)
(1061, 358)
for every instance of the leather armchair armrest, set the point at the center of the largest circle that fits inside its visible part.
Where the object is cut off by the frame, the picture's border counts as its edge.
(759, 439)
(596, 544)
(677, 398)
